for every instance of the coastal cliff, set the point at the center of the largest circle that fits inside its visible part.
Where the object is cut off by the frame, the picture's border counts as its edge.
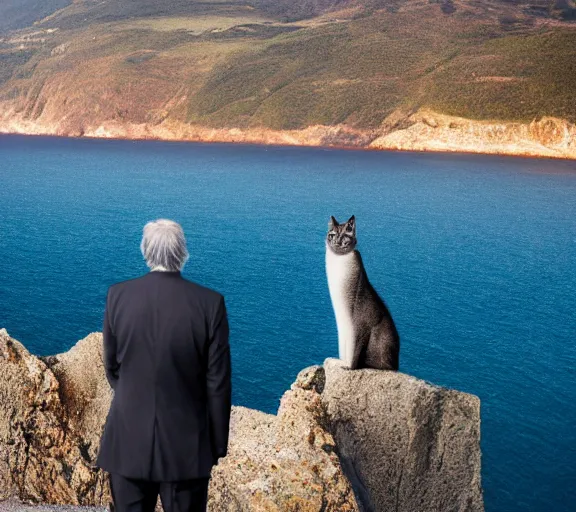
(445, 75)
(341, 441)
(423, 130)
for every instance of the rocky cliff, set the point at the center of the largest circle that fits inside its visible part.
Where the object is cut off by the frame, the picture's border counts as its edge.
(341, 441)
(423, 130)
(50, 422)
(426, 130)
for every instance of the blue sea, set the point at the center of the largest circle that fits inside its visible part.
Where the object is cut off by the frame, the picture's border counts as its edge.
(474, 255)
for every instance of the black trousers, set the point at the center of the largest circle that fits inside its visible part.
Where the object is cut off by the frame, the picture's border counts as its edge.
(131, 495)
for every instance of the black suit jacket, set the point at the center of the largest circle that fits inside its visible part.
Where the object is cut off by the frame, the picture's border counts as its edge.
(167, 357)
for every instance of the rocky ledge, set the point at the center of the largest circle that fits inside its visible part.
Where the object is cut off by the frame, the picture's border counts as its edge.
(342, 440)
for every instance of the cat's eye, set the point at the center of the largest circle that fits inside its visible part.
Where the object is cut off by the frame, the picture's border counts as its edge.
(330, 236)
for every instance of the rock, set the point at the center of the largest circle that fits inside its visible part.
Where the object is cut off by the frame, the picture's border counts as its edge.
(551, 131)
(43, 457)
(84, 391)
(61, 49)
(406, 445)
(396, 442)
(311, 378)
(286, 462)
(430, 121)
(399, 119)
(53, 409)
(426, 130)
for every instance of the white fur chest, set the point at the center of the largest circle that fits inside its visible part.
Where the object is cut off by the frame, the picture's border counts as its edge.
(341, 273)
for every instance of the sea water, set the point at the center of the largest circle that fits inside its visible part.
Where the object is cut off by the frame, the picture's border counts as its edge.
(474, 255)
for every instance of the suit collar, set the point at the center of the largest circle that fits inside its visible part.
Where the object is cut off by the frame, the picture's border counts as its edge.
(172, 273)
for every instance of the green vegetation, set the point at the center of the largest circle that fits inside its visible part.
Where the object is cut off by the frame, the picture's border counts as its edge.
(518, 77)
(239, 64)
(355, 72)
(12, 63)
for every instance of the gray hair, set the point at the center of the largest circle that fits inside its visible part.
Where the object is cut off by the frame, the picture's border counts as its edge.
(163, 244)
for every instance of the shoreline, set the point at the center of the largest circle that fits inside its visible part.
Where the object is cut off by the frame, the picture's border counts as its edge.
(367, 149)
(427, 132)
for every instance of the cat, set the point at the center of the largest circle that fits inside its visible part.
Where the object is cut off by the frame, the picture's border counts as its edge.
(367, 335)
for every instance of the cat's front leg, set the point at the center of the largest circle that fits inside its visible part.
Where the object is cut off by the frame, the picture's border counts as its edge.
(360, 346)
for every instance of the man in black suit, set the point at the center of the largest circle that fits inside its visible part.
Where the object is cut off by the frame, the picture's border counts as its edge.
(167, 357)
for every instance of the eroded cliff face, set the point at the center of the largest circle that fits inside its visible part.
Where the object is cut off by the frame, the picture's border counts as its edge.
(423, 130)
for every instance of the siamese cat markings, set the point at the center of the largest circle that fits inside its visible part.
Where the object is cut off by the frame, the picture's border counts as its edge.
(367, 336)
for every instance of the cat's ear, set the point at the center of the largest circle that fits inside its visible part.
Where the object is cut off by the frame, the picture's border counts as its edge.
(333, 223)
(351, 223)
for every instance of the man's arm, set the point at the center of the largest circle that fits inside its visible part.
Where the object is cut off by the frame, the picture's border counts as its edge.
(219, 386)
(111, 365)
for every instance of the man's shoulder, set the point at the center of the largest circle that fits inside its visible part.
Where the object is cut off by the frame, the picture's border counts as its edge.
(126, 283)
(208, 294)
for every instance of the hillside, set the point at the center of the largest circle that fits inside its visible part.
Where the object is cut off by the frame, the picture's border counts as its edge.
(263, 68)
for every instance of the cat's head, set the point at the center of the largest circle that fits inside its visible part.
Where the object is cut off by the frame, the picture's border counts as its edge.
(341, 238)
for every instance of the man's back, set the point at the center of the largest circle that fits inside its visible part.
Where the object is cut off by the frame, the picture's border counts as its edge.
(167, 356)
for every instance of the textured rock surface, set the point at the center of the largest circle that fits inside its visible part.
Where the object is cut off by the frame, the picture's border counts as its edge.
(52, 414)
(405, 444)
(84, 391)
(285, 462)
(41, 458)
(426, 130)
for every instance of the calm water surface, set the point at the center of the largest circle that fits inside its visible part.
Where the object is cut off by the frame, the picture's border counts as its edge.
(475, 256)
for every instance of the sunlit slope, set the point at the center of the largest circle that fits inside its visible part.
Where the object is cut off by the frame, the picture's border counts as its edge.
(360, 71)
(239, 64)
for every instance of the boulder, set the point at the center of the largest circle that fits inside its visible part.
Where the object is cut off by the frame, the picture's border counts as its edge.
(406, 445)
